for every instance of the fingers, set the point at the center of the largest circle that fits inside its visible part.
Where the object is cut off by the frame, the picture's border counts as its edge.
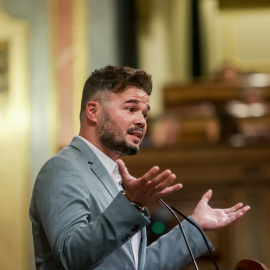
(240, 212)
(157, 180)
(234, 213)
(160, 182)
(163, 180)
(237, 208)
(170, 189)
(234, 208)
(151, 174)
(150, 187)
(245, 209)
(237, 214)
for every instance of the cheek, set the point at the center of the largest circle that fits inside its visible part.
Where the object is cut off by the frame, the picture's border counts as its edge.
(144, 130)
(124, 119)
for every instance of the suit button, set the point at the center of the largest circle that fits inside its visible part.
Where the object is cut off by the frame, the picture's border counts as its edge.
(127, 237)
(136, 228)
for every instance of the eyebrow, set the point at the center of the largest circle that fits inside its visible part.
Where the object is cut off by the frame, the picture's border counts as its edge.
(136, 102)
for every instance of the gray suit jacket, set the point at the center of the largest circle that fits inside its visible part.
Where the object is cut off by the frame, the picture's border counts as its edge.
(80, 220)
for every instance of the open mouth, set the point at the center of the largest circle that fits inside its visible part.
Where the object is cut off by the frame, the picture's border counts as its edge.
(137, 134)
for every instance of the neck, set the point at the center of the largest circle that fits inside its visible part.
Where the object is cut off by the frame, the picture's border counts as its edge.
(94, 140)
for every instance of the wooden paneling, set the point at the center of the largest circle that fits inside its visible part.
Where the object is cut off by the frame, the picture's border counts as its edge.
(207, 90)
(234, 174)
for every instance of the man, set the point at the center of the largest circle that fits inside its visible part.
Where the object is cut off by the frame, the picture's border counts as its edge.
(81, 216)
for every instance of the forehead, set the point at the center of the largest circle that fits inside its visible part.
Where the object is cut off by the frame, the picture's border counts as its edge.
(132, 93)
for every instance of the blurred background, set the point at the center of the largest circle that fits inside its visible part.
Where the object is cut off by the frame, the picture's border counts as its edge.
(209, 122)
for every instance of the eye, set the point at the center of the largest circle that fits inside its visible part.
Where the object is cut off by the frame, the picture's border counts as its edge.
(145, 115)
(130, 109)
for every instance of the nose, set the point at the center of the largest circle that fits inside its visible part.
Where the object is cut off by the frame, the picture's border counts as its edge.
(140, 121)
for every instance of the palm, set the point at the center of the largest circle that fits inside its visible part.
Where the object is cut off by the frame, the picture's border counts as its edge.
(209, 218)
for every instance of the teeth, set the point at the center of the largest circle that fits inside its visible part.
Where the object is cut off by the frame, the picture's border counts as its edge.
(136, 134)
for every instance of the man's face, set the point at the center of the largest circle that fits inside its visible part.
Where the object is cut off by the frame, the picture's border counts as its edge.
(123, 121)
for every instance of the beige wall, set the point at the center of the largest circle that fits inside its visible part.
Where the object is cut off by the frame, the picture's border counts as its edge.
(14, 148)
(164, 44)
(239, 37)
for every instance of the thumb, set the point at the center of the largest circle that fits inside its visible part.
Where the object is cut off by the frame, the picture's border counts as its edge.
(207, 196)
(122, 170)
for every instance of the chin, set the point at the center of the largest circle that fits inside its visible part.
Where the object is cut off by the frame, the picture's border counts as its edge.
(132, 150)
(136, 150)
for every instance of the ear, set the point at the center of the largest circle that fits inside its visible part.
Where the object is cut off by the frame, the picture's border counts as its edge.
(91, 111)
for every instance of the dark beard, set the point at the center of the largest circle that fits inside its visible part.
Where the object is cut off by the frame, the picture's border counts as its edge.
(110, 136)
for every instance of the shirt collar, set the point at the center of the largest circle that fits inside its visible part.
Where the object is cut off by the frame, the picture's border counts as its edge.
(108, 163)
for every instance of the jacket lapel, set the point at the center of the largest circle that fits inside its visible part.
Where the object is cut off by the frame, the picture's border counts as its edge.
(103, 175)
(96, 166)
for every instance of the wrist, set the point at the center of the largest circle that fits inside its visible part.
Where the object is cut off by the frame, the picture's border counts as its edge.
(135, 204)
(138, 206)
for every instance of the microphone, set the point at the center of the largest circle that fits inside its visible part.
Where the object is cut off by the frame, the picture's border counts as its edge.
(181, 229)
(202, 233)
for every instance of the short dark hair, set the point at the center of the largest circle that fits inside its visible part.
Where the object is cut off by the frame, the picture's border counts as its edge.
(113, 79)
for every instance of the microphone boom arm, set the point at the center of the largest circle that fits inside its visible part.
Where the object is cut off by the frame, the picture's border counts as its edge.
(200, 230)
(181, 228)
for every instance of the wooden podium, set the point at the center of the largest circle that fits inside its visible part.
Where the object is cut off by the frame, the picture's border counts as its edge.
(250, 265)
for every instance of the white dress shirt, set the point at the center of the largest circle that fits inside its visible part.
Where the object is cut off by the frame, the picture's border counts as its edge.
(112, 169)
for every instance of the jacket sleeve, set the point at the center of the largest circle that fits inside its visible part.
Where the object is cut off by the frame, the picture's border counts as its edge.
(62, 204)
(170, 251)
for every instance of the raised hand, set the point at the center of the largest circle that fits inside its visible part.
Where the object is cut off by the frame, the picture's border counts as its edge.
(148, 188)
(211, 219)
